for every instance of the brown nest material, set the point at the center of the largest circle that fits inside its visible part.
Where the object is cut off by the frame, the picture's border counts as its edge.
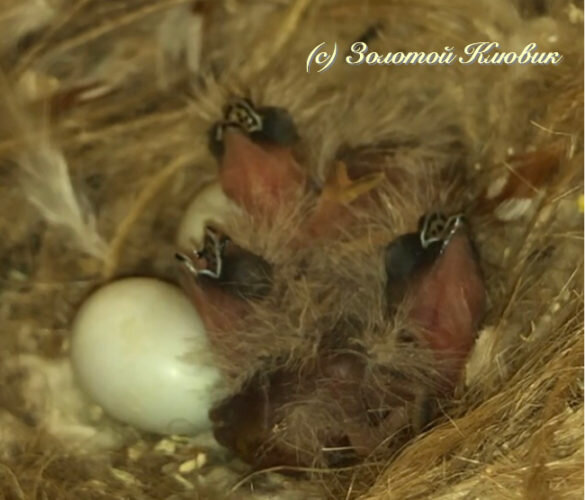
(105, 113)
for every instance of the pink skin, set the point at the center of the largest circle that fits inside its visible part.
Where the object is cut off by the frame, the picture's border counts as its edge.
(259, 179)
(220, 311)
(448, 301)
(448, 304)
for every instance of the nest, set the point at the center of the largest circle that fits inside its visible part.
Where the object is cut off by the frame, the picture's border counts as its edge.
(103, 141)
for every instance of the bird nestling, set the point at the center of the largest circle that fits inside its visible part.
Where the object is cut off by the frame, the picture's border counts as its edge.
(317, 380)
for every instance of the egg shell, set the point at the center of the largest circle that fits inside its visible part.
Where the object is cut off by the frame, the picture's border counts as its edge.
(140, 351)
(210, 206)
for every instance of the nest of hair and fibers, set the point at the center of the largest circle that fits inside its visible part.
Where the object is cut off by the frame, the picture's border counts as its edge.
(103, 143)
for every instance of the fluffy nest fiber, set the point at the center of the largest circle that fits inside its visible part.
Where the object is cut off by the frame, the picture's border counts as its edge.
(103, 142)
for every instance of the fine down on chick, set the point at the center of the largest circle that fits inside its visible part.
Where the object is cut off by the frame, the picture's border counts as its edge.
(317, 390)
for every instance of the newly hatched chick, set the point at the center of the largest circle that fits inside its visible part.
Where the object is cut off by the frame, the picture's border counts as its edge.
(332, 402)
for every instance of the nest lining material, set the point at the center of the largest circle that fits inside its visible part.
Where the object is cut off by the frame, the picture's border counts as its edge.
(104, 142)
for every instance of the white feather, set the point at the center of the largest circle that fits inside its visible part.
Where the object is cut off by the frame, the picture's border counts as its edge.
(47, 184)
(44, 175)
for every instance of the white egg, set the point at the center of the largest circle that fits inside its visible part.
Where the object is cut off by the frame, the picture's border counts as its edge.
(140, 351)
(210, 206)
